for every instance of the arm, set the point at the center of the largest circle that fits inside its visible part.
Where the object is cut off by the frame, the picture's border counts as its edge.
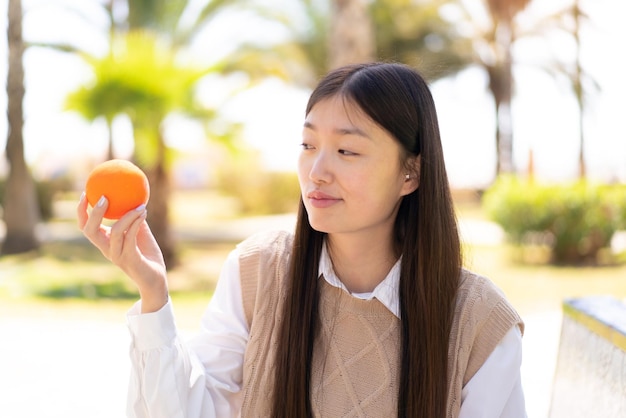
(199, 379)
(171, 379)
(495, 391)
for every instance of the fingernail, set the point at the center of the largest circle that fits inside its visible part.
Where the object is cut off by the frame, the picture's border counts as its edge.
(101, 202)
(140, 208)
(82, 197)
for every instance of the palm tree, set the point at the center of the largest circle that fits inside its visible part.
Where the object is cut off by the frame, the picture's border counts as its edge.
(500, 70)
(143, 79)
(577, 86)
(570, 20)
(579, 79)
(158, 90)
(21, 213)
(492, 34)
(165, 18)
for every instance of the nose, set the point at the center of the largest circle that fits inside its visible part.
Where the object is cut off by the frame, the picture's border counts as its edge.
(319, 169)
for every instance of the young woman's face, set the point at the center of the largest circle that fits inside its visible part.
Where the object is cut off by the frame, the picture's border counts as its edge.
(350, 170)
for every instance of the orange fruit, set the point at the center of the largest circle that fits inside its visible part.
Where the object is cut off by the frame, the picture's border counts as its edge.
(123, 184)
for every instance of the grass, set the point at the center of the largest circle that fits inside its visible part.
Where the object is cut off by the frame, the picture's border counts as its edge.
(71, 278)
(533, 288)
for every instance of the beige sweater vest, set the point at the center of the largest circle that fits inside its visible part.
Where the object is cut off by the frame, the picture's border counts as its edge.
(355, 371)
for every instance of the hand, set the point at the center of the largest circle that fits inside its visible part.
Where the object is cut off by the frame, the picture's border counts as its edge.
(130, 245)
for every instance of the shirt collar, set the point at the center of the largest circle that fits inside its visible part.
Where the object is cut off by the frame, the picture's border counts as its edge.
(387, 291)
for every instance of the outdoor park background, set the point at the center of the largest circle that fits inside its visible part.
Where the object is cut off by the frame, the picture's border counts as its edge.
(63, 350)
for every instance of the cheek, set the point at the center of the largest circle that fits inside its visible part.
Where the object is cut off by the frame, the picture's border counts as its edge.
(379, 190)
(301, 164)
(365, 187)
(303, 170)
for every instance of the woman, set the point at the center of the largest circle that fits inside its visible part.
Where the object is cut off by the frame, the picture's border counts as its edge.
(364, 311)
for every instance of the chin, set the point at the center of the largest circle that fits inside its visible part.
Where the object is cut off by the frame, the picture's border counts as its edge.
(321, 225)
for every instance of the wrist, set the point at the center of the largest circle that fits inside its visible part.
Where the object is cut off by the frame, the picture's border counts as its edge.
(153, 298)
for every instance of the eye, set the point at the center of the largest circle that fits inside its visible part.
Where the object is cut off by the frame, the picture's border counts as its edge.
(346, 152)
(306, 146)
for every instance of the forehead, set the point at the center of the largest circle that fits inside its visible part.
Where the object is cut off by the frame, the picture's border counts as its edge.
(338, 110)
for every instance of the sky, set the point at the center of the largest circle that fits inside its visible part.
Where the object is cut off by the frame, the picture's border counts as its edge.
(544, 109)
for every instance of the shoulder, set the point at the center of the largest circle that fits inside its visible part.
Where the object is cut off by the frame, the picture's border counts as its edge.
(264, 254)
(483, 316)
(480, 301)
(473, 282)
(266, 243)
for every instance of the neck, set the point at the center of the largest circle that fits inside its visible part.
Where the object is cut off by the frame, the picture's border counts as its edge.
(361, 264)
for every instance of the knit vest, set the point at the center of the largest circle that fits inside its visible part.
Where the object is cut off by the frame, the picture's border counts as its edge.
(355, 365)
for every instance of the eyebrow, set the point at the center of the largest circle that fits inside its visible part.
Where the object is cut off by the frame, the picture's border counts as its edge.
(341, 131)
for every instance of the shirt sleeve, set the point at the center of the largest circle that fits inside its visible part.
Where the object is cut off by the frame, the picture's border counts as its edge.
(199, 378)
(495, 391)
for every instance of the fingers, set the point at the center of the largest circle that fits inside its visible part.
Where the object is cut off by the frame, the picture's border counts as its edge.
(111, 241)
(123, 236)
(134, 249)
(150, 247)
(91, 224)
(81, 211)
(128, 243)
(133, 230)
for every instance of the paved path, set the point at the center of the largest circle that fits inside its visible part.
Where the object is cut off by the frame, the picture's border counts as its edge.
(53, 368)
(471, 231)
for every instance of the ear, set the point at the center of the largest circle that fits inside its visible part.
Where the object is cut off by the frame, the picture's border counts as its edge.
(412, 177)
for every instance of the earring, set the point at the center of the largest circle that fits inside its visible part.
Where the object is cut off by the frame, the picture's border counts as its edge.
(407, 177)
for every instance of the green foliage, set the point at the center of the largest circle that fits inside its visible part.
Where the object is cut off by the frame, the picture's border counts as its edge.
(576, 221)
(408, 31)
(143, 78)
(87, 289)
(47, 192)
(415, 33)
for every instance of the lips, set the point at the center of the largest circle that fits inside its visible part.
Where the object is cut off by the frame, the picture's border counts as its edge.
(320, 199)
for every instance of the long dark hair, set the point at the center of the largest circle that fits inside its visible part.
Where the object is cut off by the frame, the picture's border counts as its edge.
(399, 100)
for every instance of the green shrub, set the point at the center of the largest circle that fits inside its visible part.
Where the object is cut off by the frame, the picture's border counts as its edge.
(576, 221)
(46, 191)
(271, 193)
(258, 191)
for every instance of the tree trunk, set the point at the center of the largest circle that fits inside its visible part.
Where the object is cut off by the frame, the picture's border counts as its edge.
(501, 87)
(159, 207)
(351, 33)
(579, 92)
(503, 13)
(21, 211)
(110, 148)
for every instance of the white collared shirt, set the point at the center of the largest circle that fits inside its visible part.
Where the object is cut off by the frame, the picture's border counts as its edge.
(387, 291)
(203, 378)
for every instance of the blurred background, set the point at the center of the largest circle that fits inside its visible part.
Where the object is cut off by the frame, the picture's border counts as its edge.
(208, 98)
